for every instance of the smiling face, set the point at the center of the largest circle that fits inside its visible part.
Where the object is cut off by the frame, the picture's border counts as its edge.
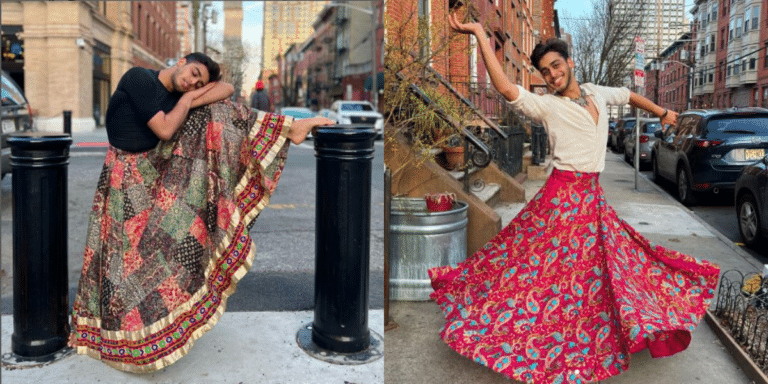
(189, 76)
(557, 71)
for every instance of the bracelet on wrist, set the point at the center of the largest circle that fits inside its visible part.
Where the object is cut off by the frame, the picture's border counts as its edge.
(664, 114)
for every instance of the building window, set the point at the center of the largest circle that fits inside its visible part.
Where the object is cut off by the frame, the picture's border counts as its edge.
(747, 14)
(755, 17)
(765, 96)
(101, 81)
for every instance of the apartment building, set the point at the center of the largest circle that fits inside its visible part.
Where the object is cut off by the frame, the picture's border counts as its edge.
(662, 22)
(285, 23)
(70, 55)
(729, 60)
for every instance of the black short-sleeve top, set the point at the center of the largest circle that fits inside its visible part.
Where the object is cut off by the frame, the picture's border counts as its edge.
(139, 96)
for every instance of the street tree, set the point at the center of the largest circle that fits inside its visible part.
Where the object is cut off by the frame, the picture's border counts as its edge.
(233, 63)
(603, 40)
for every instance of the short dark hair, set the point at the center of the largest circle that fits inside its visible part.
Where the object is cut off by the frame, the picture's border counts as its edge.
(214, 72)
(551, 45)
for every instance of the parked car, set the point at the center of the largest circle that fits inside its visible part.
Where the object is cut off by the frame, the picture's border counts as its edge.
(648, 126)
(624, 125)
(296, 112)
(611, 131)
(357, 112)
(707, 149)
(325, 112)
(16, 117)
(751, 201)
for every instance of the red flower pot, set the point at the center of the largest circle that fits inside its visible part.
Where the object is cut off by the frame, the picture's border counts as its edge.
(439, 202)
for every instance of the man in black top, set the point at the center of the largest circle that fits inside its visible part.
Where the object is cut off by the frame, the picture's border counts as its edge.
(149, 106)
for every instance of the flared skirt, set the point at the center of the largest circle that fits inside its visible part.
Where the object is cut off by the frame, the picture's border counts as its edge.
(168, 235)
(567, 291)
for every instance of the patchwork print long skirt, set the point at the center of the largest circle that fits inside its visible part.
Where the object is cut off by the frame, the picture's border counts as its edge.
(168, 235)
(567, 291)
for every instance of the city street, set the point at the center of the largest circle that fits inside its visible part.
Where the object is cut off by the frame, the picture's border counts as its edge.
(716, 210)
(282, 276)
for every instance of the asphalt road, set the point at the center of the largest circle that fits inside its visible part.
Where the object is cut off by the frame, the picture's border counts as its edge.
(282, 276)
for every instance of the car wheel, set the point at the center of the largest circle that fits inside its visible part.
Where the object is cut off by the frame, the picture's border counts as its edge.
(749, 220)
(626, 157)
(684, 190)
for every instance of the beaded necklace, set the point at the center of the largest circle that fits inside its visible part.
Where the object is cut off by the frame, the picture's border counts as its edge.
(582, 99)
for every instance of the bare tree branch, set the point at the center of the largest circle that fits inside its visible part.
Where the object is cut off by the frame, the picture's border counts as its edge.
(603, 42)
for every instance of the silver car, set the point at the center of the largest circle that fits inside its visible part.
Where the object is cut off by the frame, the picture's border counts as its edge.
(648, 126)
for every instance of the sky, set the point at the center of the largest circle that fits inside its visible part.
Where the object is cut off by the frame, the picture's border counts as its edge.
(580, 9)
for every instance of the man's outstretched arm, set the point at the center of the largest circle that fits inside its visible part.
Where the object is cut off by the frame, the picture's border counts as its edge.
(666, 116)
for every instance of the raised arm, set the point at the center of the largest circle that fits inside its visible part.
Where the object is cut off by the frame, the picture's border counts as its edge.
(220, 91)
(666, 116)
(498, 77)
(164, 125)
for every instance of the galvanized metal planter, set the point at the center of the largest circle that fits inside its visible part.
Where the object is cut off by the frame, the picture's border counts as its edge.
(420, 240)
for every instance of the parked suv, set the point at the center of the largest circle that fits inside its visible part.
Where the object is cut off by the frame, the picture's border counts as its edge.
(707, 149)
(751, 198)
(648, 128)
(357, 112)
(16, 117)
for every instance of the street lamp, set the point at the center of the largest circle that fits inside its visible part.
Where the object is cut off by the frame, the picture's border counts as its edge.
(372, 12)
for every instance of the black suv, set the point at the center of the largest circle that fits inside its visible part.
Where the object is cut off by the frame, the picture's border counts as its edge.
(707, 149)
(751, 202)
(16, 117)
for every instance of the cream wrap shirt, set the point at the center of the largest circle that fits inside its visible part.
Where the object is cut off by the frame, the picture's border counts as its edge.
(576, 142)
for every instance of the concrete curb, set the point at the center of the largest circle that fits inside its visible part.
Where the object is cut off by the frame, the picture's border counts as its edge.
(734, 348)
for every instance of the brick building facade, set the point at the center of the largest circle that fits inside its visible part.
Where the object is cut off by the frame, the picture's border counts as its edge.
(513, 27)
(728, 55)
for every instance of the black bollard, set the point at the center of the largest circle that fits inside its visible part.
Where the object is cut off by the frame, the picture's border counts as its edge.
(342, 237)
(40, 289)
(68, 122)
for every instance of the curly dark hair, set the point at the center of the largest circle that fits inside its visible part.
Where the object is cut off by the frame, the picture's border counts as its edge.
(214, 72)
(551, 45)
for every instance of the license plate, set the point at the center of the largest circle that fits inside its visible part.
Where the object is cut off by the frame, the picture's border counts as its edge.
(754, 154)
(9, 126)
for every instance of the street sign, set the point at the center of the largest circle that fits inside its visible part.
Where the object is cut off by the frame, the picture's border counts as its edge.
(639, 78)
(639, 62)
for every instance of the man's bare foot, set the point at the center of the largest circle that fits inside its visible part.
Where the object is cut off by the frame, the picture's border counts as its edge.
(300, 128)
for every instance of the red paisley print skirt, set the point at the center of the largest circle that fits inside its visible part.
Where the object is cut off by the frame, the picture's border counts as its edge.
(567, 291)
(168, 235)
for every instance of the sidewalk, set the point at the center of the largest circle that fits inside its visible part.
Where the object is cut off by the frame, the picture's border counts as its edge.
(416, 354)
(244, 347)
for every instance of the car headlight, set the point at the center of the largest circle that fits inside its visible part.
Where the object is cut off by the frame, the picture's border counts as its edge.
(379, 124)
(345, 120)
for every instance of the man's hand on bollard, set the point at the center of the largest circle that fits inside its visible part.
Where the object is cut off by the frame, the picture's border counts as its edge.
(300, 128)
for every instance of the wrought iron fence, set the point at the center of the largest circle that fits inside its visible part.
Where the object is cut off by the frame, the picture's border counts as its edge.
(507, 149)
(539, 144)
(742, 308)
